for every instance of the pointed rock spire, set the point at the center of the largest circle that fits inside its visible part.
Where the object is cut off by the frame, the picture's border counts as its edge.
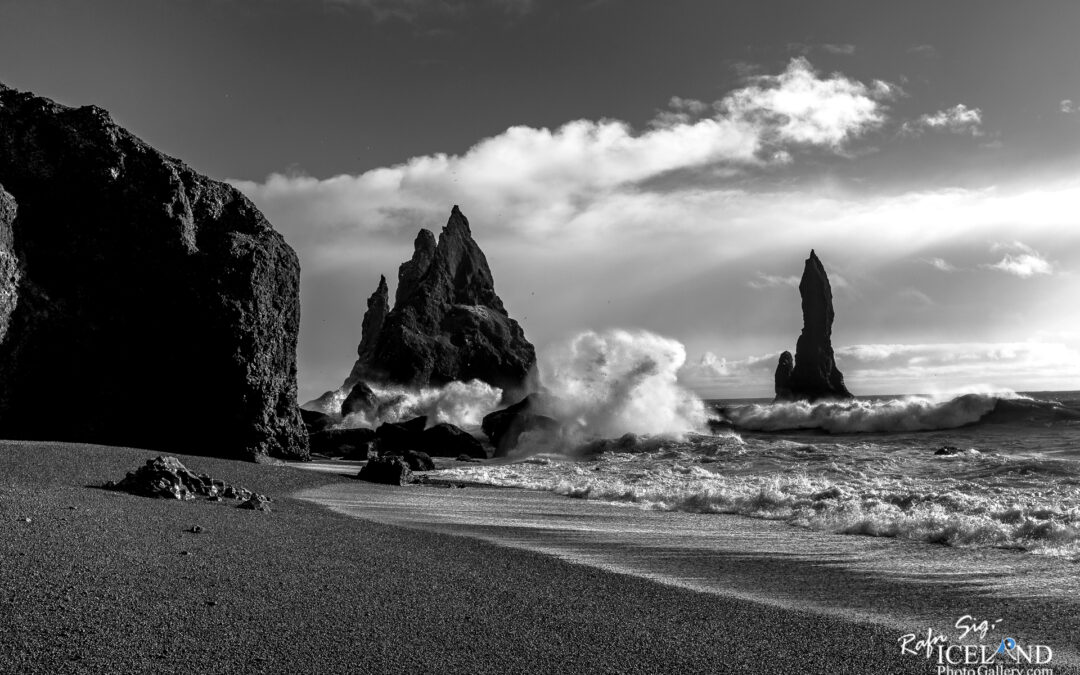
(447, 323)
(814, 375)
(378, 306)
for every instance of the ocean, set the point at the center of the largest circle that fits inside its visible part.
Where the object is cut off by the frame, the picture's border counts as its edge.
(1007, 476)
(914, 512)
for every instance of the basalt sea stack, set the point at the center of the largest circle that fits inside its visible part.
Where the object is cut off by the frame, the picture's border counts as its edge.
(141, 303)
(814, 374)
(447, 323)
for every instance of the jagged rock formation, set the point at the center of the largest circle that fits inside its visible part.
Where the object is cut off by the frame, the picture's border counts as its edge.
(361, 399)
(378, 306)
(814, 375)
(447, 323)
(141, 303)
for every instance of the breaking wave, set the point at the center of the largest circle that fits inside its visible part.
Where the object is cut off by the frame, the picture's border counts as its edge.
(908, 413)
(878, 500)
(615, 382)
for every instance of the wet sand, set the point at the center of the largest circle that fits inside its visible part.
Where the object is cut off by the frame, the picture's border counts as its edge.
(99, 581)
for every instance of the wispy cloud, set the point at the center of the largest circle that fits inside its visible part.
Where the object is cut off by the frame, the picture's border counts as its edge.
(764, 281)
(924, 50)
(958, 119)
(839, 49)
(1023, 261)
(940, 263)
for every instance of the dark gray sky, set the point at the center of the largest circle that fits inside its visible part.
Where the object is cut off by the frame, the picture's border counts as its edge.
(929, 151)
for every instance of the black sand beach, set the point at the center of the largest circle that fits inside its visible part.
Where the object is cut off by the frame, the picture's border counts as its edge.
(98, 581)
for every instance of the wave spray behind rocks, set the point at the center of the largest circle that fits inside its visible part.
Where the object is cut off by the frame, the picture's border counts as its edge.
(606, 384)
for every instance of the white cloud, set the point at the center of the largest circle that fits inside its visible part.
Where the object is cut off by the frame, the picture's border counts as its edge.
(799, 106)
(1023, 265)
(958, 119)
(1024, 262)
(585, 174)
(941, 264)
(1068, 107)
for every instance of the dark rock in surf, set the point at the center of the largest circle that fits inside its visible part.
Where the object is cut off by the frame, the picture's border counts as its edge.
(505, 427)
(127, 272)
(814, 375)
(401, 436)
(389, 470)
(947, 450)
(782, 379)
(447, 440)
(447, 324)
(418, 461)
(342, 442)
(315, 421)
(361, 399)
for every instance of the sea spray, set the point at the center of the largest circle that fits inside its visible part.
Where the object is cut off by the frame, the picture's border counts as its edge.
(607, 384)
(462, 404)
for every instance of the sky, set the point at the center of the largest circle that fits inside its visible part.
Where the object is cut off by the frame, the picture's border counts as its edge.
(634, 164)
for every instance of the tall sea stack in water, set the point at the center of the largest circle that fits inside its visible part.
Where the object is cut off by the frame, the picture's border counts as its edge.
(814, 374)
(447, 323)
(141, 303)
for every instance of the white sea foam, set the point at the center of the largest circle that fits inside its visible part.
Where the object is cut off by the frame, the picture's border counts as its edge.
(979, 500)
(462, 404)
(908, 413)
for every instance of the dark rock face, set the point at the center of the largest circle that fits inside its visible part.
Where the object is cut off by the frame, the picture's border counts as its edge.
(782, 378)
(446, 440)
(361, 399)
(378, 306)
(9, 263)
(505, 427)
(401, 436)
(162, 293)
(447, 323)
(315, 421)
(167, 478)
(342, 442)
(389, 470)
(418, 461)
(814, 375)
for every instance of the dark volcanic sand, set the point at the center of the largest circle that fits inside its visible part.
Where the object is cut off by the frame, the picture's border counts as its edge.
(98, 581)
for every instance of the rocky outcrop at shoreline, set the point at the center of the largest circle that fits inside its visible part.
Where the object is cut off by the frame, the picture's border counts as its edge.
(814, 374)
(447, 324)
(141, 304)
(167, 478)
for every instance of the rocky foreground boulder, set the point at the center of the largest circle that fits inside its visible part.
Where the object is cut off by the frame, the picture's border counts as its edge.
(447, 323)
(167, 478)
(141, 303)
(812, 374)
